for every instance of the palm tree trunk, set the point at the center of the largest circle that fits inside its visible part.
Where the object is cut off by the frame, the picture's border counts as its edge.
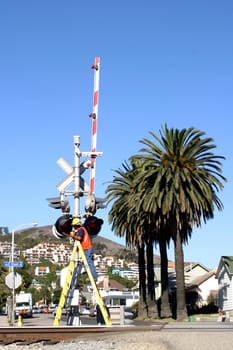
(181, 310)
(165, 309)
(152, 307)
(142, 307)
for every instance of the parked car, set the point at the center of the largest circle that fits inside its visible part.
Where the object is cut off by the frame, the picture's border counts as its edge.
(84, 310)
(93, 311)
(64, 311)
(51, 309)
(36, 310)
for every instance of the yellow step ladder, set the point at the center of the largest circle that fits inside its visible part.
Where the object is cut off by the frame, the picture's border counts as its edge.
(78, 250)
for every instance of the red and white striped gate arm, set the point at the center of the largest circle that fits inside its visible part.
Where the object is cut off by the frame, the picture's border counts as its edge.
(94, 116)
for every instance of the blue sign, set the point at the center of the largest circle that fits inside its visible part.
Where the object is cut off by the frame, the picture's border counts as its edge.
(13, 264)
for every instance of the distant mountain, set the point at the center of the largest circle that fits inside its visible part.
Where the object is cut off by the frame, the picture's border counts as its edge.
(29, 237)
(36, 235)
(112, 247)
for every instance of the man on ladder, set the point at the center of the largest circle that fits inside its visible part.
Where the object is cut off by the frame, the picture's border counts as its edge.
(84, 234)
(81, 235)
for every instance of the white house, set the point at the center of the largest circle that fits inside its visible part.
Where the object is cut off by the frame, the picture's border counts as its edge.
(202, 289)
(224, 276)
(41, 270)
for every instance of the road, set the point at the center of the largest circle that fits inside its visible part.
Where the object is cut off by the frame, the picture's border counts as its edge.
(41, 320)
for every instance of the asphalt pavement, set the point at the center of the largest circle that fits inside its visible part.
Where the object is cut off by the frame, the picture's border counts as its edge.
(46, 320)
(41, 320)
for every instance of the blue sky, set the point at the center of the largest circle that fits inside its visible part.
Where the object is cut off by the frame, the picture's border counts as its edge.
(161, 62)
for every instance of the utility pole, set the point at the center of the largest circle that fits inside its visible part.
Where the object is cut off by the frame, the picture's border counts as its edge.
(77, 155)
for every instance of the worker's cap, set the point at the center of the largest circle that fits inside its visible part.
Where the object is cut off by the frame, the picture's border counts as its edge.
(76, 222)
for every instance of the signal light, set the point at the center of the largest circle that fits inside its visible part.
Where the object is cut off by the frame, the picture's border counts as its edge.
(93, 203)
(60, 203)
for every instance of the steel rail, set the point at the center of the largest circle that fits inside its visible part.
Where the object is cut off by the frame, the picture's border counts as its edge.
(53, 335)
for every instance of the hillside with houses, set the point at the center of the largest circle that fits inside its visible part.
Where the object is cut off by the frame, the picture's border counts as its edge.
(203, 286)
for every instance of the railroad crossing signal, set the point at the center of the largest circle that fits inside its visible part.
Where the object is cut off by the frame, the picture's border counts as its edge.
(69, 179)
(74, 173)
(93, 203)
(59, 203)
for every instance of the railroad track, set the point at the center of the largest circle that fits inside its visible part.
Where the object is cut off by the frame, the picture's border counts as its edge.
(53, 335)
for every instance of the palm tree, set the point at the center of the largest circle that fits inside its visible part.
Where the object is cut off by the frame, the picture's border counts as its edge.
(154, 224)
(126, 220)
(183, 176)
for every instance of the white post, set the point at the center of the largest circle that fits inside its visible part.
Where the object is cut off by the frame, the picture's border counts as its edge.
(77, 155)
(13, 269)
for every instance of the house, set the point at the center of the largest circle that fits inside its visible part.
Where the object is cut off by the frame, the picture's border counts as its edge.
(202, 290)
(224, 276)
(125, 273)
(201, 286)
(113, 293)
(41, 270)
(193, 270)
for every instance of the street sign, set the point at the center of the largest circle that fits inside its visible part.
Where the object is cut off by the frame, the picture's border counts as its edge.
(13, 264)
(13, 280)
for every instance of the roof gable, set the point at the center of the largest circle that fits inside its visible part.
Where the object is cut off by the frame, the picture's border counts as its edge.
(201, 279)
(190, 266)
(112, 284)
(227, 262)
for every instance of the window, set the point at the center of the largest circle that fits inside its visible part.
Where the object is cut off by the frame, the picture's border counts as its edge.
(224, 291)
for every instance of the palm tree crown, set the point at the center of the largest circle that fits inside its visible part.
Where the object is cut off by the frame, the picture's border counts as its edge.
(182, 175)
